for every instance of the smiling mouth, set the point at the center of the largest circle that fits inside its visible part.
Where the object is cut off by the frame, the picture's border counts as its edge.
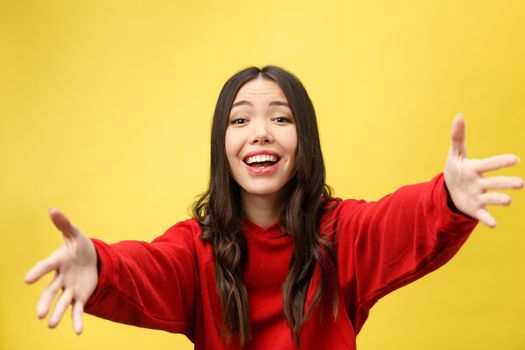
(262, 161)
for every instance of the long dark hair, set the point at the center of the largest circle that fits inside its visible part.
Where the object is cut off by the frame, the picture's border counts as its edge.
(219, 211)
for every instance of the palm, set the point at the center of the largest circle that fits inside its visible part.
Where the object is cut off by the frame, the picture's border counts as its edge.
(464, 178)
(75, 264)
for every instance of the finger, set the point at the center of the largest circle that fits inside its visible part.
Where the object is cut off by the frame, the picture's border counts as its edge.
(494, 198)
(501, 182)
(49, 264)
(487, 219)
(76, 314)
(494, 162)
(62, 223)
(60, 307)
(47, 296)
(458, 135)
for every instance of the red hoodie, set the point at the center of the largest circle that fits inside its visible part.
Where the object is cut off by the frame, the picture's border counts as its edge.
(170, 284)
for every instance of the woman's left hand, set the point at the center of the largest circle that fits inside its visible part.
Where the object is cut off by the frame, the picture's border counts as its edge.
(467, 185)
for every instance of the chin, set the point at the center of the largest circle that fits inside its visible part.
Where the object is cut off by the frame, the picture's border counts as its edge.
(261, 191)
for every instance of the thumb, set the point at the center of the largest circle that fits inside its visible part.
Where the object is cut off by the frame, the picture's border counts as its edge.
(458, 136)
(63, 224)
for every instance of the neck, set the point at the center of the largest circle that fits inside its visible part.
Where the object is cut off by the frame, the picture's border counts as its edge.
(262, 210)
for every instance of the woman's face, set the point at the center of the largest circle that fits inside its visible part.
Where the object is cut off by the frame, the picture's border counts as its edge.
(261, 138)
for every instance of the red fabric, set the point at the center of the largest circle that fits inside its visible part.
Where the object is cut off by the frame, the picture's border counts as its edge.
(169, 284)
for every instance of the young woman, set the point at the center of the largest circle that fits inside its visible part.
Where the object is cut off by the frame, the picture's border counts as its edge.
(270, 260)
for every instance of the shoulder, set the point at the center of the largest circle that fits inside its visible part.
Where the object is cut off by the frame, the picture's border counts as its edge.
(187, 231)
(337, 211)
(336, 207)
(186, 235)
(188, 227)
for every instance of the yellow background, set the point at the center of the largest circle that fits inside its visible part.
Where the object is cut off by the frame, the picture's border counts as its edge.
(105, 112)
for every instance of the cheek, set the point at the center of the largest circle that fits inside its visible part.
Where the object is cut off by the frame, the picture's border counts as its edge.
(229, 144)
(232, 145)
(287, 139)
(290, 142)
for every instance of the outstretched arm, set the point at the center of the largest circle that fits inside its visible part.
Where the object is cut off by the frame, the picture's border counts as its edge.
(387, 244)
(144, 284)
(75, 266)
(466, 184)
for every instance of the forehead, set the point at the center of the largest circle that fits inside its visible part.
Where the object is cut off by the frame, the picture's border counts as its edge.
(260, 89)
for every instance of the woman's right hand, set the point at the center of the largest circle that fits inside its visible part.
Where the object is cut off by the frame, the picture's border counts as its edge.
(75, 266)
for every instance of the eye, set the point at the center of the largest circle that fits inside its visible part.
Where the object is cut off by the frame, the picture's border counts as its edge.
(282, 120)
(238, 121)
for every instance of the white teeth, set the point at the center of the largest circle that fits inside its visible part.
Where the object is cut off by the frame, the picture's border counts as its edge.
(261, 158)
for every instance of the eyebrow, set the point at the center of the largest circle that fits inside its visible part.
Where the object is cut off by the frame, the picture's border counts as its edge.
(273, 103)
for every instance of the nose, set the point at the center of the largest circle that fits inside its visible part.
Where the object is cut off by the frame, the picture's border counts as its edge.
(261, 134)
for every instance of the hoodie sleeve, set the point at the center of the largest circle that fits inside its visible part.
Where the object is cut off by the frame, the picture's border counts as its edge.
(384, 245)
(148, 285)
